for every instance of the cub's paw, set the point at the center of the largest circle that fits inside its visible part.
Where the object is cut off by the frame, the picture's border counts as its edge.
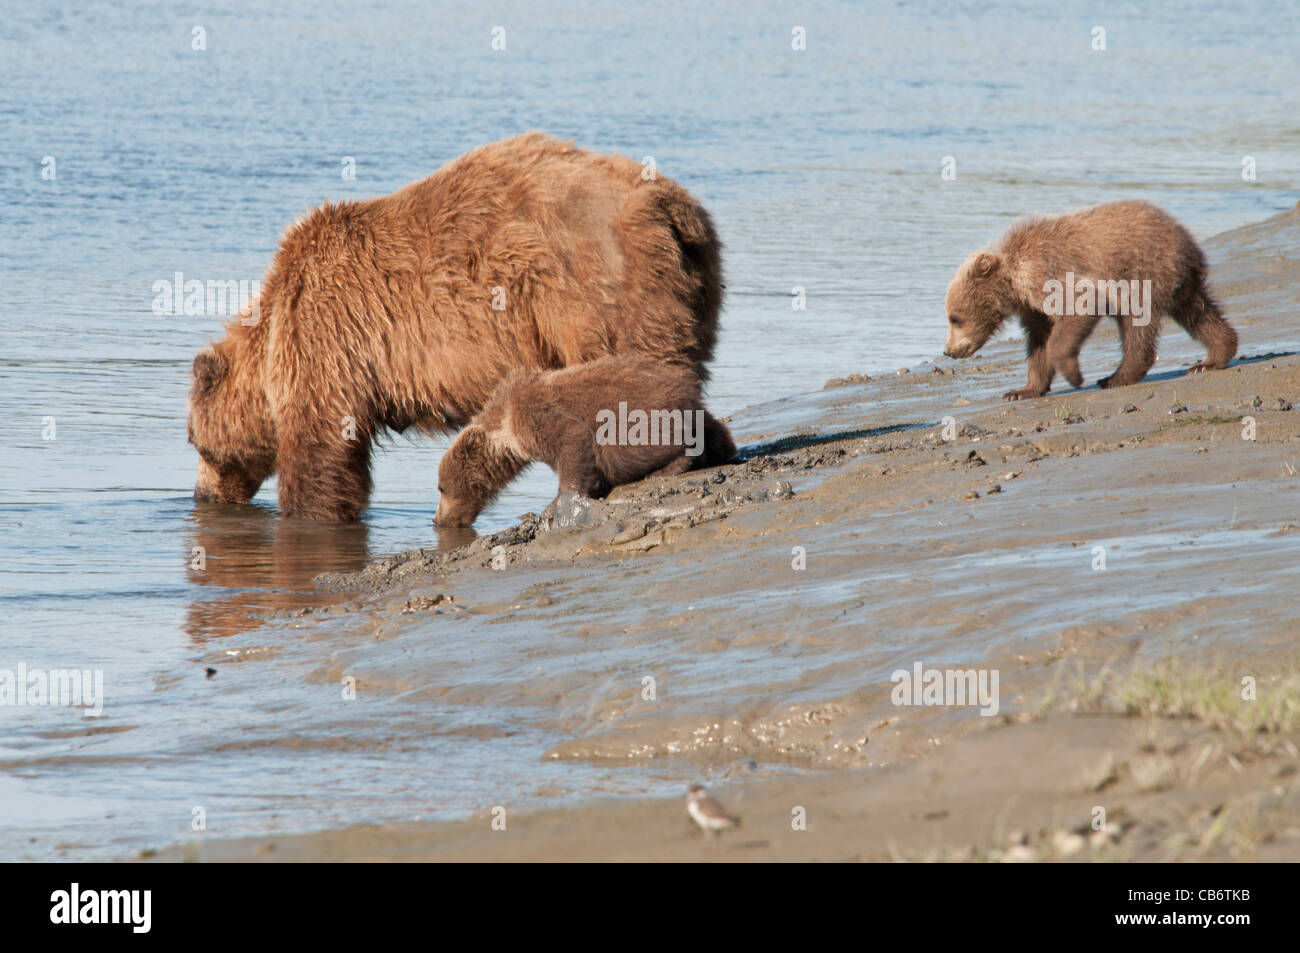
(1204, 366)
(1106, 383)
(1023, 393)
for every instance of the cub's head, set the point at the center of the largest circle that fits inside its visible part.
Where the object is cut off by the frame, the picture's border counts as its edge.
(230, 426)
(473, 471)
(979, 299)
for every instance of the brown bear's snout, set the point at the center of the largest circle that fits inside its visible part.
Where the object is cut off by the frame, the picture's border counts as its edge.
(453, 515)
(206, 484)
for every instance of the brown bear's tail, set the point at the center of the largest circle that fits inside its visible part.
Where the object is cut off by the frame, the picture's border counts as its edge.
(691, 222)
(685, 296)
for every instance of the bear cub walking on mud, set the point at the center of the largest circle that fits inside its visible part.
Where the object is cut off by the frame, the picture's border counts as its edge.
(598, 425)
(1126, 260)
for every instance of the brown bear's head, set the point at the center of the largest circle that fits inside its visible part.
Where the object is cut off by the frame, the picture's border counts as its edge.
(979, 299)
(230, 426)
(473, 471)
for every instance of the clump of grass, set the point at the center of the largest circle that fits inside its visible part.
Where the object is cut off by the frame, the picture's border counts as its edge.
(1212, 696)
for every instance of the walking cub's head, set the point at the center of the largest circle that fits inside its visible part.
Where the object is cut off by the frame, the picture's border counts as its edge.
(979, 299)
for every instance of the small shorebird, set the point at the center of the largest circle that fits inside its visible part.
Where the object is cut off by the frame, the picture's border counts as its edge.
(707, 812)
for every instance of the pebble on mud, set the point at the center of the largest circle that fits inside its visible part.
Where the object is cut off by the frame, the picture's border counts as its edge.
(845, 381)
(632, 531)
(1066, 843)
(970, 495)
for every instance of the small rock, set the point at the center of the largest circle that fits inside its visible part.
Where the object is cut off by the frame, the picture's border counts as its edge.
(1066, 843)
(845, 381)
(210, 671)
(1283, 404)
(1100, 839)
(630, 532)
(1257, 401)
(572, 509)
(717, 476)
(960, 402)
(649, 541)
(901, 371)
(970, 495)
(783, 490)
(1130, 408)
(995, 488)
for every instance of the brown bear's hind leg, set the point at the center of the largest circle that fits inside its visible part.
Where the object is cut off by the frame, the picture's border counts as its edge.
(719, 448)
(674, 467)
(1038, 328)
(1202, 318)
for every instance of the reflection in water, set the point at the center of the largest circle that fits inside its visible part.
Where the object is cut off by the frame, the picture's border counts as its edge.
(261, 563)
(454, 537)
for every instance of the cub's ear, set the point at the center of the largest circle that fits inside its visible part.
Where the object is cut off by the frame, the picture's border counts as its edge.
(983, 264)
(209, 368)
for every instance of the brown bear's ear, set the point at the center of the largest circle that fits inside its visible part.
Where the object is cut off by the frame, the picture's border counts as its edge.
(984, 264)
(209, 368)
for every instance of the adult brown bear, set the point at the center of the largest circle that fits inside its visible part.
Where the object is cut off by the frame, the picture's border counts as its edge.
(409, 309)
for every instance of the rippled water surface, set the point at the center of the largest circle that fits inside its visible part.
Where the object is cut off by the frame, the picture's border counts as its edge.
(822, 168)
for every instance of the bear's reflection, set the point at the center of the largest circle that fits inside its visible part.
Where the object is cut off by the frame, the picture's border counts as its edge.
(267, 563)
(264, 563)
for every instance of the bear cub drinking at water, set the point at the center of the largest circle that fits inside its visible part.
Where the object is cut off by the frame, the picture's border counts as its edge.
(598, 425)
(1126, 260)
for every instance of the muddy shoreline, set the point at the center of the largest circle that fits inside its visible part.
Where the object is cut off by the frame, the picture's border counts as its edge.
(905, 517)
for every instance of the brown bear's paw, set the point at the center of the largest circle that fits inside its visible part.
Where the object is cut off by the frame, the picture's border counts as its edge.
(1023, 393)
(1106, 383)
(1204, 366)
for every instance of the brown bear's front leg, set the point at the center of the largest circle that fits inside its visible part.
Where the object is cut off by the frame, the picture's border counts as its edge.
(323, 480)
(575, 465)
(1065, 343)
(1139, 352)
(1038, 329)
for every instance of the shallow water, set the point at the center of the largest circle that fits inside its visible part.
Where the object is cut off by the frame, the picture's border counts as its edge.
(822, 168)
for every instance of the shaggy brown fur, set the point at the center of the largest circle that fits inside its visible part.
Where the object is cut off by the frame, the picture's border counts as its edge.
(1119, 241)
(379, 314)
(558, 418)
